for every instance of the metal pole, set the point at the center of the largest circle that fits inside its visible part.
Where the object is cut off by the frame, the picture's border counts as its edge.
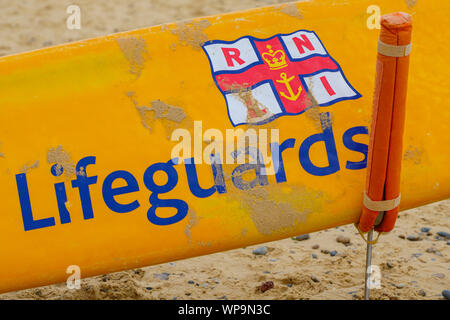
(378, 220)
(368, 264)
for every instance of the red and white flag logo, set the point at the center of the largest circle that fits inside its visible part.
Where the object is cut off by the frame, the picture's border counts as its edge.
(262, 79)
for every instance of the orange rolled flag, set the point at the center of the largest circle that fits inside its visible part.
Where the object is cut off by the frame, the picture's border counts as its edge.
(388, 118)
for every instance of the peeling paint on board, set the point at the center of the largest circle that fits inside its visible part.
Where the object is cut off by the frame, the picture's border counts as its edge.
(256, 111)
(313, 112)
(62, 159)
(192, 33)
(292, 10)
(27, 167)
(171, 116)
(163, 111)
(411, 3)
(135, 51)
(321, 120)
(271, 214)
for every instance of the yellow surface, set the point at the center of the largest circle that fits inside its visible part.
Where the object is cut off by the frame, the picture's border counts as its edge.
(79, 96)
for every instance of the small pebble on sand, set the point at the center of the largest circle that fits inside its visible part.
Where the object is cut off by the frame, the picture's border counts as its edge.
(266, 286)
(413, 237)
(425, 229)
(161, 276)
(301, 237)
(444, 234)
(435, 251)
(316, 246)
(422, 293)
(260, 251)
(343, 240)
(314, 278)
(446, 294)
(333, 253)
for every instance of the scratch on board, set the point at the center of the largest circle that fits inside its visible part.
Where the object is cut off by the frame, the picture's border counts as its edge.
(414, 154)
(204, 244)
(135, 51)
(192, 222)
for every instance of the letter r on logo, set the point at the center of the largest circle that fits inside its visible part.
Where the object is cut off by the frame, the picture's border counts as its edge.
(232, 54)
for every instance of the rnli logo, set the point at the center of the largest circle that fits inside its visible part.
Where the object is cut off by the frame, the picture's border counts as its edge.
(263, 79)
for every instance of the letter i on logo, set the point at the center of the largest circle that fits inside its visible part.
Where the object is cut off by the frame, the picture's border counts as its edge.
(61, 196)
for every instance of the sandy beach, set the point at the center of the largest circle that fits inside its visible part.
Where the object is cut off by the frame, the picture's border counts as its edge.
(414, 263)
(409, 269)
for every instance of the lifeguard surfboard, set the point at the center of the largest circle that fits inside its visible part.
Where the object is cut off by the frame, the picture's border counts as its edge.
(117, 152)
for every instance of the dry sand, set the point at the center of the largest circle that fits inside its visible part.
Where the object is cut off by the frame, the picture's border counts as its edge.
(409, 269)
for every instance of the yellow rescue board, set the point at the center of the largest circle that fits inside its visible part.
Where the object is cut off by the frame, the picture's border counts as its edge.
(85, 134)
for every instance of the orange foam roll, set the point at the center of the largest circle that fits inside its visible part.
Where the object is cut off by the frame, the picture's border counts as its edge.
(388, 118)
